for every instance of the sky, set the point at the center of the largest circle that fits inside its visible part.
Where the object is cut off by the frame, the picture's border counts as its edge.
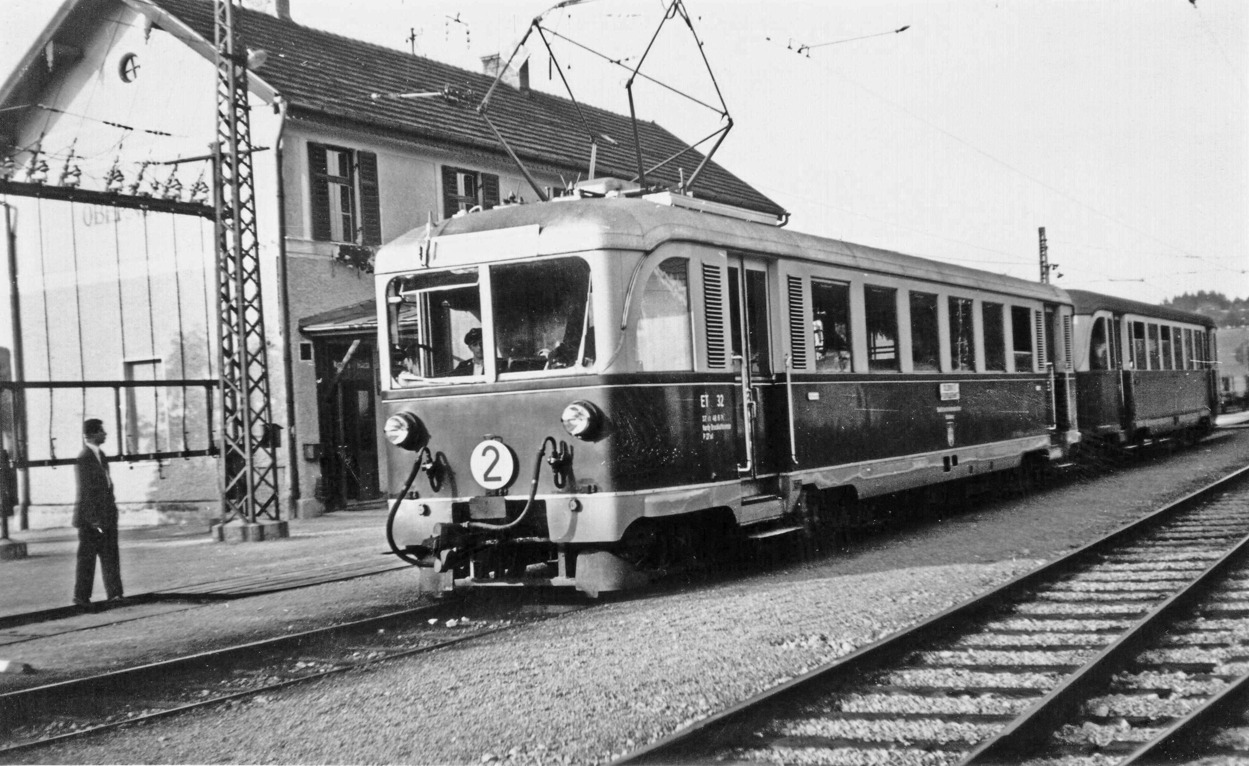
(1121, 126)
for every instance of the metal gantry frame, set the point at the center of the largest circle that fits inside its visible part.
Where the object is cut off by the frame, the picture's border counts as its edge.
(248, 461)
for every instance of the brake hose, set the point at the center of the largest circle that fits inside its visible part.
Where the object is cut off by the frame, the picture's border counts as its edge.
(533, 491)
(394, 509)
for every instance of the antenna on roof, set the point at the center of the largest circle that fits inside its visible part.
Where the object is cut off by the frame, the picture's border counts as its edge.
(675, 9)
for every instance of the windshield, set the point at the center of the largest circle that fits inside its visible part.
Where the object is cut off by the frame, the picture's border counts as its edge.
(542, 323)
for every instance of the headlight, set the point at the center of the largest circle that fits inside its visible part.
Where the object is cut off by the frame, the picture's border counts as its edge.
(582, 420)
(406, 431)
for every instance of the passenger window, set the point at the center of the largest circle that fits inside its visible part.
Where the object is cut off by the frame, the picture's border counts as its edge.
(830, 326)
(880, 304)
(1099, 347)
(663, 332)
(925, 340)
(1188, 349)
(994, 336)
(1138, 346)
(1165, 346)
(1021, 338)
(962, 336)
(1155, 359)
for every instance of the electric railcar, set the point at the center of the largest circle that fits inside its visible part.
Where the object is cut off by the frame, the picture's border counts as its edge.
(581, 387)
(1143, 372)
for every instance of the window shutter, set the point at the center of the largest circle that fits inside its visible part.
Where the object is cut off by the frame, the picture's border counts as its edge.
(319, 204)
(449, 205)
(489, 190)
(713, 314)
(1041, 357)
(370, 199)
(797, 325)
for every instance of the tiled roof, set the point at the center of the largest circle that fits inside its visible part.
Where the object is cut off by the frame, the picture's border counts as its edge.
(324, 75)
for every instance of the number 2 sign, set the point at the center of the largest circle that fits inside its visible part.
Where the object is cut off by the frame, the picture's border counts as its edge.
(493, 464)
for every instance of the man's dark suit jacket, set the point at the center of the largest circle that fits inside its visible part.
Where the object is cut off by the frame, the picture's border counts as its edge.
(96, 506)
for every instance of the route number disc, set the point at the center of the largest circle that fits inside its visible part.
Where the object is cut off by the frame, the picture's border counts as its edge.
(493, 465)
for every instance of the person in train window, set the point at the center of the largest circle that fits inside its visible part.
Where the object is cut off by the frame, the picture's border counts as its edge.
(1100, 359)
(475, 364)
(405, 361)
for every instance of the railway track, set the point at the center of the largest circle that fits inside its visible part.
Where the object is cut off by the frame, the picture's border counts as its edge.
(1086, 660)
(58, 712)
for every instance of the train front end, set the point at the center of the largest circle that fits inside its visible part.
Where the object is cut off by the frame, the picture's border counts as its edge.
(505, 409)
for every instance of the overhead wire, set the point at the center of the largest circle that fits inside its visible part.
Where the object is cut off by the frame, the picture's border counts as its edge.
(997, 160)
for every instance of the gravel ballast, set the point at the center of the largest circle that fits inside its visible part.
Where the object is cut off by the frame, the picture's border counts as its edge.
(591, 685)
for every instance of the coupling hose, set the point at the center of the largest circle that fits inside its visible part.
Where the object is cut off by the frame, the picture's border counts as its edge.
(394, 509)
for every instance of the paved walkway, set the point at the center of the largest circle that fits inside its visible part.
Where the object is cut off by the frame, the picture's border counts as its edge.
(184, 559)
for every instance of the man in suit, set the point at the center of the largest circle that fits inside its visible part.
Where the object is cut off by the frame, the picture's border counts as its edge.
(95, 516)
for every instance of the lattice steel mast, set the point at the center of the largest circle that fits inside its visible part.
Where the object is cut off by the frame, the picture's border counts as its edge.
(248, 457)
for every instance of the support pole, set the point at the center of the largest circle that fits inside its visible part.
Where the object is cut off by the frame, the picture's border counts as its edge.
(12, 549)
(1045, 258)
(249, 492)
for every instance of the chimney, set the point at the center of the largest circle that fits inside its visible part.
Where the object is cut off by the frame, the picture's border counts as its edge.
(490, 65)
(278, 8)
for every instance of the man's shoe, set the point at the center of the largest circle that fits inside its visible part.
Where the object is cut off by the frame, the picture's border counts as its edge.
(82, 602)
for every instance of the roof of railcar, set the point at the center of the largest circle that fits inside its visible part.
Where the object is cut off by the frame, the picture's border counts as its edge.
(638, 224)
(1088, 302)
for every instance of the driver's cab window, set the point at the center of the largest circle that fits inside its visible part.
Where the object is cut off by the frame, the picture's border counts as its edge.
(434, 319)
(543, 315)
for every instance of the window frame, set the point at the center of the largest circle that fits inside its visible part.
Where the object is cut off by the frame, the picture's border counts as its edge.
(485, 194)
(363, 189)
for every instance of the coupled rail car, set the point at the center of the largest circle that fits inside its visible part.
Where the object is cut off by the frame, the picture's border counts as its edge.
(587, 389)
(1142, 372)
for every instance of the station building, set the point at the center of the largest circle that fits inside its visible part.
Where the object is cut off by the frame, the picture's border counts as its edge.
(105, 129)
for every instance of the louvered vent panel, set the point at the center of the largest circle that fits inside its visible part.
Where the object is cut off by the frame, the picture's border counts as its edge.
(1067, 340)
(797, 327)
(713, 308)
(1039, 318)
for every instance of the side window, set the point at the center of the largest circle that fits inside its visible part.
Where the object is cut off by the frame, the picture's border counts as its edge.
(962, 335)
(345, 204)
(830, 326)
(1099, 348)
(994, 337)
(1021, 338)
(925, 339)
(664, 341)
(1138, 346)
(1155, 358)
(1188, 349)
(1165, 347)
(463, 190)
(881, 308)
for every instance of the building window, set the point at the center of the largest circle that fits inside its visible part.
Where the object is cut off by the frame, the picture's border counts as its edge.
(147, 408)
(962, 337)
(345, 205)
(881, 308)
(830, 305)
(463, 190)
(925, 339)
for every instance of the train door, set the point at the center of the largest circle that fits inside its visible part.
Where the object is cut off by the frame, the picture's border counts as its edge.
(752, 355)
(1058, 353)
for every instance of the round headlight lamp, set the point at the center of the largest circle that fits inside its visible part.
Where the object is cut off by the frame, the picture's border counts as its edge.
(582, 419)
(406, 431)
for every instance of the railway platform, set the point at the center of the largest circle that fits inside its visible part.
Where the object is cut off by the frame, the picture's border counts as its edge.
(183, 561)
